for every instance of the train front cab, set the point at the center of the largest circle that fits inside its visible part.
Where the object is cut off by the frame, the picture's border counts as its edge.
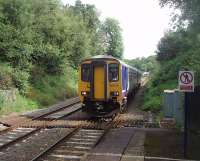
(100, 85)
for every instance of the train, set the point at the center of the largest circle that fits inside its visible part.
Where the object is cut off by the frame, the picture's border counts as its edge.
(105, 83)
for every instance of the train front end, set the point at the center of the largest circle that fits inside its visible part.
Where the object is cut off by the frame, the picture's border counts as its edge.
(100, 85)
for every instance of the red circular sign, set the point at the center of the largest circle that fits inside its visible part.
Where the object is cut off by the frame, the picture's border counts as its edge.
(186, 78)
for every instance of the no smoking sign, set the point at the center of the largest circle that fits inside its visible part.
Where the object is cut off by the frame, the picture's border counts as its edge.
(186, 81)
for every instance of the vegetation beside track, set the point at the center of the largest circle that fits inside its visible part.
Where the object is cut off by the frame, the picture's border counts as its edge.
(151, 100)
(177, 50)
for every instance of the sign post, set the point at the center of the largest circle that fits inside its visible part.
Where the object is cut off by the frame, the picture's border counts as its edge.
(186, 81)
(186, 84)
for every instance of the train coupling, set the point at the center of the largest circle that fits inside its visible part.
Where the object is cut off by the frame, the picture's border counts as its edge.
(99, 106)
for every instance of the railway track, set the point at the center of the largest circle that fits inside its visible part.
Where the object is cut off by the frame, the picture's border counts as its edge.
(15, 135)
(42, 113)
(11, 135)
(57, 111)
(72, 146)
(50, 118)
(54, 112)
(76, 145)
(56, 116)
(63, 113)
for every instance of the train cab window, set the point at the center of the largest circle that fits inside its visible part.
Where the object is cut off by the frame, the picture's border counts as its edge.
(113, 71)
(85, 72)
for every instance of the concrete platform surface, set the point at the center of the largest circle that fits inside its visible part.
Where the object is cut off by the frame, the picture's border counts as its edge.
(115, 141)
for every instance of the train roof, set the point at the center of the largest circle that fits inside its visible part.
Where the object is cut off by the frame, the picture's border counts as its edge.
(110, 58)
(102, 57)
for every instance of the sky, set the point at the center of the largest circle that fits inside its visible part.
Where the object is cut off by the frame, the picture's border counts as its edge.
(143, 23)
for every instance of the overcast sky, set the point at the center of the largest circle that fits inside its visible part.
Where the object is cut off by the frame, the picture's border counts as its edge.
(143, 23)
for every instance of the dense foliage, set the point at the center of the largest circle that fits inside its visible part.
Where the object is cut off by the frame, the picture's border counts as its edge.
(148, 64)
(113, 43)
(43, 41)
(178, 50)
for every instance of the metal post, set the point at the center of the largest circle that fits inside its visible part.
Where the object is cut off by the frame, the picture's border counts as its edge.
(186, 126)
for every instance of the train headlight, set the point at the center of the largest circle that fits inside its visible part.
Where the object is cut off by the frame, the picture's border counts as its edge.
(114, 93)
(84, 93)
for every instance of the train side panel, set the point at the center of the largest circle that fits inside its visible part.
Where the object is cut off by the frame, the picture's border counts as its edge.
(130, 80)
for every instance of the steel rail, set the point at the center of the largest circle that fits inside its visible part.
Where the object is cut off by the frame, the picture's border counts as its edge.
(69, 113)
(55, 144)
(19, 138)
(68, 136)
(54, 111)
(106, 130)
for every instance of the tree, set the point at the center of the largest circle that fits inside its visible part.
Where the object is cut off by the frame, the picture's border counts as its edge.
(190, 11)
(39, 38)
(86, 32)
(148, 64)
(112, 38)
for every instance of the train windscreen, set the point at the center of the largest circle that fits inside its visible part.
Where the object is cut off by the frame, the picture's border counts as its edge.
(85, 72)
(113, 72)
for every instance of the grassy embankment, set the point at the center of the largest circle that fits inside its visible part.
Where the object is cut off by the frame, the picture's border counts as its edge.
(44, 91)
(153, 95)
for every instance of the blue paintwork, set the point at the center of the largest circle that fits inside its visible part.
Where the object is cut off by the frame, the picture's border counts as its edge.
(124, 80)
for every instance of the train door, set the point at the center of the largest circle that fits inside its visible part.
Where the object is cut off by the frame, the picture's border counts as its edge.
(99, 82)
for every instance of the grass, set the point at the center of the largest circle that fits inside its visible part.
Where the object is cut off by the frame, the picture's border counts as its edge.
(44, 91)
(51, 89)
(154, 94)
(21, 104)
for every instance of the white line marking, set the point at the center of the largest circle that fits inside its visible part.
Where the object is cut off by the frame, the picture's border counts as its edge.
(66, 156)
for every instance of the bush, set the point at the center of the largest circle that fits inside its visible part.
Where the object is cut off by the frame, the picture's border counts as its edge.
(154, 93)
(21, 80)
(6, 81)
(13, 77)
(1, 101)
(21, 104)
(153, 104)
(49, 89)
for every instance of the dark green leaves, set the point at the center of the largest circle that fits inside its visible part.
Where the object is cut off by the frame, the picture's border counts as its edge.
(44, 37)
(113, 43)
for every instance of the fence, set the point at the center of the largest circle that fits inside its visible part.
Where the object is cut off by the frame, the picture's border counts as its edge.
(194, 124)
(173, 105)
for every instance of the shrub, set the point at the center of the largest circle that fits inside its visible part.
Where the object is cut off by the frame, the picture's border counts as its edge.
(6, 81)
(21, 104)
(20, 79)
(1, 101)
(49, 89)
(153, 104)
(154, 93)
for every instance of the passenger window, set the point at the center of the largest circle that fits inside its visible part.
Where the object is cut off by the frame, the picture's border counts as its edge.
(85, 72)
(113, 72)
